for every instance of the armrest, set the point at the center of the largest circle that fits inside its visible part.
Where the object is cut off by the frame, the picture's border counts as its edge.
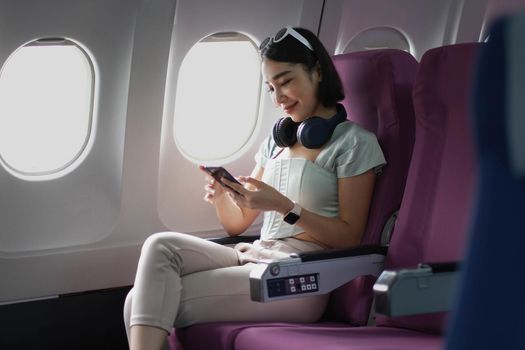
(426, 289)
(313, 273)
(342, 253)
(232, 240)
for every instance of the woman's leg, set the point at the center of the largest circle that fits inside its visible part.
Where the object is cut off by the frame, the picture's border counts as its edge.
(146, 337)
(224, 294)
(127, 313)
(158, 339)
(154, 301)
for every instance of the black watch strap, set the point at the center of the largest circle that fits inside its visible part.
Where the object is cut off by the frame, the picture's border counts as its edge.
(293, 215)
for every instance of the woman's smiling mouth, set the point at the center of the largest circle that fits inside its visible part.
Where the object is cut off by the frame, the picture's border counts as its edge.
(288, 109)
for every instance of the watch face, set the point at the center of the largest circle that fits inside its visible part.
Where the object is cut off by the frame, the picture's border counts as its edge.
(291, 218)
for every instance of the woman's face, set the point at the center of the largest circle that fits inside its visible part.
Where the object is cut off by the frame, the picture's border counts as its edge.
(292, 88)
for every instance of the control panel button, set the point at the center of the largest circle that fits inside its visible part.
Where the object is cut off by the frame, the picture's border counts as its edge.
(293, 285)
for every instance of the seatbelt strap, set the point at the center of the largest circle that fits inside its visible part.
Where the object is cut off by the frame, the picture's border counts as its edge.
(388, 228)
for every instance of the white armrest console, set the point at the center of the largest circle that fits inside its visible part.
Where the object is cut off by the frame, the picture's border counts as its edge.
(429, 288)
(313, 273)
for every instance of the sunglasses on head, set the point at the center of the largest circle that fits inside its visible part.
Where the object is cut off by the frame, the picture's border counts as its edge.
(283, 33)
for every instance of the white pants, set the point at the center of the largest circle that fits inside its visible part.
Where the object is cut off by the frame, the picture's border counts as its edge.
(182, 280)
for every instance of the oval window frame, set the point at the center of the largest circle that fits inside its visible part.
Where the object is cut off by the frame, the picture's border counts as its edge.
(245, 143)
(369, 38)
(85, 145)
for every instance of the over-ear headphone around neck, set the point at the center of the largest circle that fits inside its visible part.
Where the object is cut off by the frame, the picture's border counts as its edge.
(313, 132)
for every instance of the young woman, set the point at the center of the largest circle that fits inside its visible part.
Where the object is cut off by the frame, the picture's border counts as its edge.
(313, 180)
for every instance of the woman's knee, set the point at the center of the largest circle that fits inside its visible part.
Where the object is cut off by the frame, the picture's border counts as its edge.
(160, 241)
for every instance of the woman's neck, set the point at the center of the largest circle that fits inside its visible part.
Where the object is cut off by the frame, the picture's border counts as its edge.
(325, 112)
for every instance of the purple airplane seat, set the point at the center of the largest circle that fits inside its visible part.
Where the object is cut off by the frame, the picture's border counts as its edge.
(378, 86)
(433, 219)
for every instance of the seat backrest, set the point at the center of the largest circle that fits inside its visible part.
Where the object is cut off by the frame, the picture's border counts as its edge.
(378, 88)
(490, 288)
(435, 210)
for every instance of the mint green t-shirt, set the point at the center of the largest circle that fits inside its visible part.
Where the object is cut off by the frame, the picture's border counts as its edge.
(350, 151)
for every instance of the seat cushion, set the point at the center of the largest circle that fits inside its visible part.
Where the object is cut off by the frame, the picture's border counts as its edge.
(331, 337)
(219, 335)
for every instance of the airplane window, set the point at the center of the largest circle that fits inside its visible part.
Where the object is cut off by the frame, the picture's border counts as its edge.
(217, 98)
(46, 106)
(378, 38)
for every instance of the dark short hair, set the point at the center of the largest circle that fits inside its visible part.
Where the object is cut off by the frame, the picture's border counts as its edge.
(291, 50)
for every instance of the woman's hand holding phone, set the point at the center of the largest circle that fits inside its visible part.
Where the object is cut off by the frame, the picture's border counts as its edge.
(257, 195)
(215, 186)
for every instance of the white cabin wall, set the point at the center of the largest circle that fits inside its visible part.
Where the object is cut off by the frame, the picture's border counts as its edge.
(155, 46)
(83, 206)
(135, 181)
(425, 23)
(135, 37)
(468, 21)
(139, 214)
(498, 8)
(181, 207)
(329, 31)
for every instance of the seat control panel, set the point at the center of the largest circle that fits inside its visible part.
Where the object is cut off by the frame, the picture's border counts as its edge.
(293, 285)
(291, 277)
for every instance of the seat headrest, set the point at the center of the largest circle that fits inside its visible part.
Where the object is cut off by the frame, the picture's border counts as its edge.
(377, 85)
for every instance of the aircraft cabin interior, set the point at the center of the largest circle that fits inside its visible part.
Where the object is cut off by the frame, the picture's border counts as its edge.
(108, 108)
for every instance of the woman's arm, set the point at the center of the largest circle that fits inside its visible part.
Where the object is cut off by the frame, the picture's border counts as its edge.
(355, 196)
(233, 218)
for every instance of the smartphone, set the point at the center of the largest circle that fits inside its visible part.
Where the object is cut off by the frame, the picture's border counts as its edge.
(218, 172)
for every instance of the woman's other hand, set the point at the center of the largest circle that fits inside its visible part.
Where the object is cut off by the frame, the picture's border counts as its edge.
(213, 189)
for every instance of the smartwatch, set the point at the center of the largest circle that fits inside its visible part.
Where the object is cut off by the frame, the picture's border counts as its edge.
(293, 215)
